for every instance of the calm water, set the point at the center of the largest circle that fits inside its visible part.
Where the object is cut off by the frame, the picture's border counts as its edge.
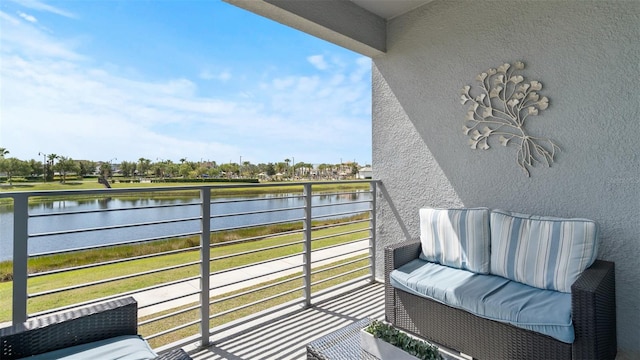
(339, 203)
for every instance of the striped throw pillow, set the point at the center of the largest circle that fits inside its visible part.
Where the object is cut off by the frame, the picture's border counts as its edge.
(456, 237)
(544, 252)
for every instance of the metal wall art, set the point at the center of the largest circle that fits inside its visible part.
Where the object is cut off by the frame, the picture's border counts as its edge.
(500, 108)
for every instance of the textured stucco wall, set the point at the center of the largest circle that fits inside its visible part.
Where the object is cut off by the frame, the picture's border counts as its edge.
(587, 56)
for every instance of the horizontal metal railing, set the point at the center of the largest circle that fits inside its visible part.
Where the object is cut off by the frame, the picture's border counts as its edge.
(326, 241)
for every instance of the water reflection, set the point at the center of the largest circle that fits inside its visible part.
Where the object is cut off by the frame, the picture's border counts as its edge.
(103, 203)
(271, 208)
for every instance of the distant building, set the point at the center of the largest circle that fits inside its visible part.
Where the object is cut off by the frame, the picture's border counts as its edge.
(365, 172)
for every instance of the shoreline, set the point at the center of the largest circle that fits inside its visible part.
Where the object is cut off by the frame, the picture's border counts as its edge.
(292, 187)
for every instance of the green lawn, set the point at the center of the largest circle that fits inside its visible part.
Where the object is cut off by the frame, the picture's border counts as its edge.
(56, 281)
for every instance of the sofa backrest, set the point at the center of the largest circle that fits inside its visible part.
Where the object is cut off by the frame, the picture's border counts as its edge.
(541, 251)
(456, 237)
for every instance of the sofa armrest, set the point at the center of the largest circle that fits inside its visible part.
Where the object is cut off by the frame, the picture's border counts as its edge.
(395, 256)
(593, 304)
(401, 253)
(75, 327)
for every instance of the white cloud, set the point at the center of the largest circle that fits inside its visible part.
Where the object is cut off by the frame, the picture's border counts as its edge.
(29, 18)
(308, 84)
(363, 69)
(9, 18)
(40, 6)
(54, 102)
(223, 76)
(24, 38)
(318, 62)
(282, 83)
(87, 113)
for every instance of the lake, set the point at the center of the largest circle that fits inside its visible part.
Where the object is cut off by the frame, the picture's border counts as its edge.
(330, 205)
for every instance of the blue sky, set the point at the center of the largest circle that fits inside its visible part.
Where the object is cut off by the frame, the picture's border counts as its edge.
(172, 79)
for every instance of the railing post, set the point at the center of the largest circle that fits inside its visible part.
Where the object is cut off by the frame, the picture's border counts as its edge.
(20, 256)
(205, 265)
(372, 232)
(307, 245)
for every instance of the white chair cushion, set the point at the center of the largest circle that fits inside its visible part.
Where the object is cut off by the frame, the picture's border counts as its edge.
(456, 237)
(545, 252)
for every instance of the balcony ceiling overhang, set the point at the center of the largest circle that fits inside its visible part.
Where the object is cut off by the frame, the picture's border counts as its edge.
(358, 25)
(388, 9)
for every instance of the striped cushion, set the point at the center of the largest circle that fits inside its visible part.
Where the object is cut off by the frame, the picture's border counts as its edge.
(545, 252)
(456, 237)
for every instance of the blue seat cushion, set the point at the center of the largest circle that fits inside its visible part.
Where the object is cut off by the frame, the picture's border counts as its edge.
(126, 347)
(489, 296)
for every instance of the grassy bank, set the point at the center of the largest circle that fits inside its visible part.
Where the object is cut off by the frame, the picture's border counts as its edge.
(231, 255)
(94, 185)
(219, 190)
(79, 258)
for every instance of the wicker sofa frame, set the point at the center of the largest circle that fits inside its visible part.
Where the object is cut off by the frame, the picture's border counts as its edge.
(593, 314)
(75, 327)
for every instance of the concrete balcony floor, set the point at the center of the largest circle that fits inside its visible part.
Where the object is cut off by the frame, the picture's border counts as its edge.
(286, 337)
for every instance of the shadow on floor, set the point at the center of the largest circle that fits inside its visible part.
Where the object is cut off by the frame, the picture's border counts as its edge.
(287, 337)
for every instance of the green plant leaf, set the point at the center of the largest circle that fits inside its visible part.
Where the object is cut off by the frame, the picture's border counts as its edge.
(393, 336)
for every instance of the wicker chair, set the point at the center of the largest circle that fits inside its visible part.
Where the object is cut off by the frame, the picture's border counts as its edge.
(76, 327)
(593, 314)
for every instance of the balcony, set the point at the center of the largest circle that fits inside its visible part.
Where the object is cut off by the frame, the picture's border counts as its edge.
(243, 271)
(286, 337)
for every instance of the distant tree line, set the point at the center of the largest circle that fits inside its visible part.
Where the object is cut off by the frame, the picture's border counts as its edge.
(12, 167)
(62, 166)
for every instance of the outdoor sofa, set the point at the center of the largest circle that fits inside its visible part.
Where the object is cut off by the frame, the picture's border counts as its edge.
(499, 285)
(103, 331)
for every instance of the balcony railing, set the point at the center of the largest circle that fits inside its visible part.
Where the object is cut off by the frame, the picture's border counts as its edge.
(199, 260)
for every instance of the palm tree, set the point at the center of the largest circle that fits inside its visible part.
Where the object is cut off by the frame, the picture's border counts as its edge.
(287, 161)
(66, 165)
(51, 159)
(127, 168)
(280, 167)
(322, 169)
(105, 170)
(270, 169)
(144, 166)
(3, 165)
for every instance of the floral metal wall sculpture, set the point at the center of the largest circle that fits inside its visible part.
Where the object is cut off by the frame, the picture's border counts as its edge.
(500, 109)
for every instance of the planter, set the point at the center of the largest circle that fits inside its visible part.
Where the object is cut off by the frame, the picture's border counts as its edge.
(382, 349)
(386, 342)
